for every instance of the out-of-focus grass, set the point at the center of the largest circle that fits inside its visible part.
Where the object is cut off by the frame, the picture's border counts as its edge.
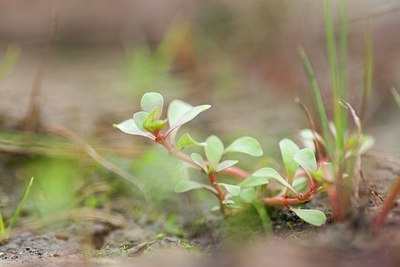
(18, 142)
(56, 184)
(368, 72)
(149, 68)
(9, 60)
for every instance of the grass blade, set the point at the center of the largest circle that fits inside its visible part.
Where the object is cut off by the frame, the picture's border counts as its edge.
(343, 58)
(368, 72)
(9, 60)
(318, 100)
(333, 66)
(2, 228)
(20, 206)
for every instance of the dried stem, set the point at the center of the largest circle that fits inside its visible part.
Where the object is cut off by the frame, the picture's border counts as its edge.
(31, 119)
(387, 205)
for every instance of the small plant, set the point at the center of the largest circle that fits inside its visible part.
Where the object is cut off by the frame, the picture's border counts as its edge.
(5, 231)
(338, 143)
(303, 172)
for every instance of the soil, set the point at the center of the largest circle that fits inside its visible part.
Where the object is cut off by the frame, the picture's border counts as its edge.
(348, 244)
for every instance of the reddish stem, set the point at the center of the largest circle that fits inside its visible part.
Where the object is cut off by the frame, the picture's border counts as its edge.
(387, 205)
(213, 181)
(284, 201)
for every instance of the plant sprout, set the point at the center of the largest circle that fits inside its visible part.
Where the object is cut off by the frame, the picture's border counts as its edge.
(216, 160)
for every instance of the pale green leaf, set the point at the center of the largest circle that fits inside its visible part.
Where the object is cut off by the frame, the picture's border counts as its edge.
(225, 165)
(271, 173)
(288, 151)
(188, 116)
(306, 159)
(176, 110)
(130, 127)
(187, 185)
(234, 190)
(214, 150)
(199, 161)
(150, 101)
(308, 137)
(314, 217)
(309, 134)
(254, 181)
(247, 145)
(139, 118)
(187, 141)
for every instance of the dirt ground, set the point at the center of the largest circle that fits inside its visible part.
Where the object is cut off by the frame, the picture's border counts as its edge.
(349, 244)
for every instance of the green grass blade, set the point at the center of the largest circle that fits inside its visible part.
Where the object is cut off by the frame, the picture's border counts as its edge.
(333, 66)
(368, 72)
(9, 60)
(2, 228)
(343, 58)
(20, 206)
(318, 99)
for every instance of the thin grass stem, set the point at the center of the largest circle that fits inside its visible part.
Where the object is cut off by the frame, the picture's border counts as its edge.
(368, 71)
(343, 55)
(318, 100)
(20, 206)
(333, 67)
(2, 228)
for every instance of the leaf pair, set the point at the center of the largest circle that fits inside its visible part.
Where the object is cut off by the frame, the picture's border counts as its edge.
(263, 176)
(148, 123)
(199, 161)
(180, 113)
(293, 158)
(214, 150)
(305, 158)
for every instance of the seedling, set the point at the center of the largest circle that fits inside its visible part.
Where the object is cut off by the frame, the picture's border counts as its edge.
(338, 143)
(5, 231)
(301, 165)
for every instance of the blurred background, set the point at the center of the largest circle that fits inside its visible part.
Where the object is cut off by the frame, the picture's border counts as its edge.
(83, 65)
